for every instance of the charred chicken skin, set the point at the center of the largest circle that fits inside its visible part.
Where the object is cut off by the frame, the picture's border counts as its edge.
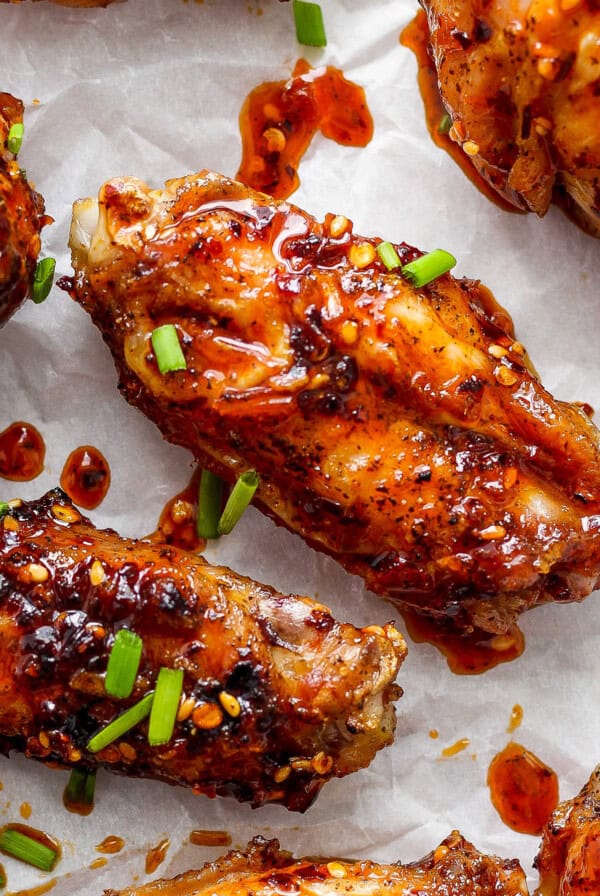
(569, 857)
(520, 82)
(455, 868)
(278, 697)
(21, 218)
(400, 430)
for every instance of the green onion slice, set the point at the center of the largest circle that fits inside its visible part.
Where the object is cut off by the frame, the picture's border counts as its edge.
(15, 138)
(428, 268)
(123, 664)
(122, 724)
(80, 788)
(42, 279)
(209, 505)
(389, 256)
(445, 123)
(167, 349)
(310, 29)
(241, 495)
(4, 509)
(20, 846)
(169, 686)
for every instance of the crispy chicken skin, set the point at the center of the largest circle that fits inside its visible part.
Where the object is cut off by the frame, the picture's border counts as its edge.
(521, 82)
(400, 430)
(455, 868)
(569, 856)
(21, 218)
(278, 697)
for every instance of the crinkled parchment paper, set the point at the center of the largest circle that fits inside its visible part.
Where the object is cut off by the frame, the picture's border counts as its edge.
(153, 88)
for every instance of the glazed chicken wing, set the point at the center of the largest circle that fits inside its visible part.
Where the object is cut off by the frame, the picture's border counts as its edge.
(521, 82)
(278, 697)
(398, 429)
(455, 868)
(21, 218)
(569, 857)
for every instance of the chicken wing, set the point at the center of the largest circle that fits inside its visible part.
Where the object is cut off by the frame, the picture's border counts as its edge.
(569, 856)
(21, 218)
(278, 697)
(400, 430)
(455, 868)
(520, 81)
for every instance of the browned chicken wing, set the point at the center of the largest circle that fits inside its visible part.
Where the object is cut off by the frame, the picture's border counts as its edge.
(455, 868)
(400, 430)
(521, 82)
(569, 857)
(21, 218)
(278, 697)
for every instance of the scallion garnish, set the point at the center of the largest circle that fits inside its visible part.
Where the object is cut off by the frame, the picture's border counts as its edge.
(15, 138)
(445, 123)
(310, 29)
(209, 505)
(389, 256)
(42, 279)
(123, 664)
(169, 686)
(241, 495)
(122, 724)
(429, 267)
(167, 349)
(20, 846)
(4, 508)
(80, 789)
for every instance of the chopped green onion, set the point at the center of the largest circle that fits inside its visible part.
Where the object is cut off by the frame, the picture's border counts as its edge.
(167, 349)
(122, 724)
(20, 846)
(445, 123)
(169, 686)
(209, 505)
(42, 279)
(310, 29)
(429, 267)
(241, 495)
(123, 664)
(4, 509)
(15, 138)
(389, 256)
(80, 790)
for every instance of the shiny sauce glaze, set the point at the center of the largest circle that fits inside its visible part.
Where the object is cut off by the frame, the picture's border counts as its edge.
(177, 522)
(156, 856)
(210, 838)
(516, 718)
(523, 790)
(77, 806)
(86, 477)
(22, 452)
(279, 119)
(415, 38)
(110, 845)
(34, 834)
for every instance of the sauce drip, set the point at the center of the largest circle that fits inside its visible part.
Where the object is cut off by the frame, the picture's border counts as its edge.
(111, 845)
(177, 523)
(86, 477)
(516, 717)
(77, 806)
(415, 37)
(22, 452)
(523, 790)
(210, 838)
(465, 654)
(455, 748)
(25, 811)
(34, 834)
(156, 855)
(100, 862)
(279, 119)
(36, 891)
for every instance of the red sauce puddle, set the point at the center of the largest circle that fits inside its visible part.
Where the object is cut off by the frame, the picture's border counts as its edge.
(22, 452)
(279, 119)
(523, 790)
(177, 522)
(86, 477)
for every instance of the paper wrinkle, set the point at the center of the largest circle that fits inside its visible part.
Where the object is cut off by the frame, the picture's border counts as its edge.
(153, 88)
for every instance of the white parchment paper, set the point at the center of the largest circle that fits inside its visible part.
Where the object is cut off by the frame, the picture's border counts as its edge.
(153, 88)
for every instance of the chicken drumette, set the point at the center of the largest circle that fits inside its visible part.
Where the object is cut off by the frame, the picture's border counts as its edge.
(277, 697)
(399, 429)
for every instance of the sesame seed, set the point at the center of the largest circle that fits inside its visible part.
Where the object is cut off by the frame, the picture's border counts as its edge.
(74, 754)
(501, 643)
(339, 226)
(282, 774)
(96, 573)
(349, 332)
(127, 752)
(65, 514)
(336, 869)
(497, 351)
(15, 503)
(11, 524)
(492, 533)
(301, 765)
(375, 630)
(207, 716)
(275, 139)
(181, 511)
(230, 704)
(518, 348)
(322, 763)
(440, 853)
(361, 255)
(510, 477)
(44, 739)
(471, 148)
(547, 68)
(505, 376)
(186, 708)
(37, 572)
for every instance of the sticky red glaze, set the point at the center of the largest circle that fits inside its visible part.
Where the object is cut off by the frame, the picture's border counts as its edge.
(86, 477)
(523, 789)
(177, 522)
(279, 119)
(22, 452)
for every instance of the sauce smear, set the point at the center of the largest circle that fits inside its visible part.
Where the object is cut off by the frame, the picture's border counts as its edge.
(111, 845)
(36, 891)
(210, 838)
(516, 717)
(177, 523)
(22, 452)
(156, 855)
(524, 791)
(86, 477)
(456, 748)
(279, 119)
